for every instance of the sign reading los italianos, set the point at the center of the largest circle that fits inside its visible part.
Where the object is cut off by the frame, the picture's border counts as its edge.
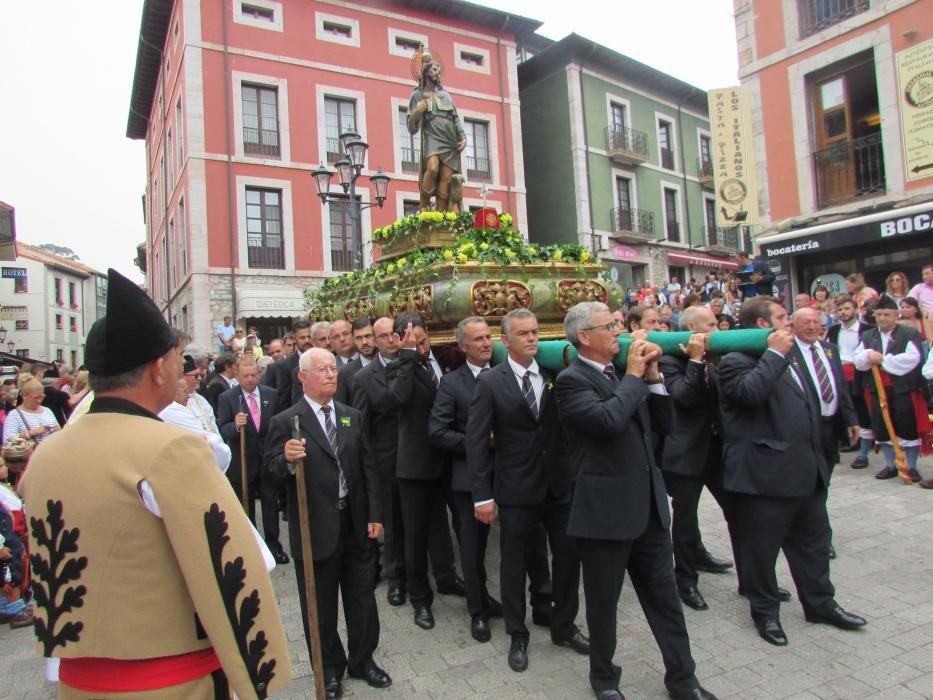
(915, 87)
(733, 156)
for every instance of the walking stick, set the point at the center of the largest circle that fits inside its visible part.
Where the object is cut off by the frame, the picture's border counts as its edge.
(244, 486)
(900, 459)
(307, 561)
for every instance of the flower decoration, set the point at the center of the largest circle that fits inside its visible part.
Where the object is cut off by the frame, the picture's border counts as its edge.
(345, 421)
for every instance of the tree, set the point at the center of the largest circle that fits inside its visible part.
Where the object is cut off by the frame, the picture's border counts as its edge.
(60, 251)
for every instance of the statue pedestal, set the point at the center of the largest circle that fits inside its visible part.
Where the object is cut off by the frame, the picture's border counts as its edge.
(429, 236)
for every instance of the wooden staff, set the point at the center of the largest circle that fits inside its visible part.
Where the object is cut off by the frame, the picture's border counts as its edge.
(307, 561)
(244, 486)
(900, 459)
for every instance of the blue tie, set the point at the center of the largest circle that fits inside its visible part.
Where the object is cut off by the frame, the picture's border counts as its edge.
(529, 393)
(331, 431)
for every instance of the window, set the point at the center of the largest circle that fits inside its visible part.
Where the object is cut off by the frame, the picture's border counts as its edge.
(340, 117)
(336, 29)
(411, 144)
(265, 14)
(22, 353)
(410, 206)
(625, 219)
(618, 117)
(706, 157)
(74, 358)
(816, 15)
(672, 225)
(624, 192)
(179, 136)
(73, 295)
(709, 214)
(182, 240)
(407, 45)
(260, 121)
(59, 322)
(264, 229)
(345, 247)
(60, 356)
(73, 324)
(477, 150)
(59, 299)
(170, 259)
(665, 144)
(262, 14)
(22, 324)
(20, 285)
(404, 42)
(471, 58)
(169, 152)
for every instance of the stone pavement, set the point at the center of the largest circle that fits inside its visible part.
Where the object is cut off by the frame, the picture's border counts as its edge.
(884, 571)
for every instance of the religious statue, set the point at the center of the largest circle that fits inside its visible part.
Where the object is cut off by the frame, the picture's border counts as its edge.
(431, 109)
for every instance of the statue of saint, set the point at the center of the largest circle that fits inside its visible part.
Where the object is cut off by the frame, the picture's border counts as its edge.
(431, 109)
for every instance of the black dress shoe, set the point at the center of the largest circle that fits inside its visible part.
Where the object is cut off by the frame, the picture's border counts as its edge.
(423, 617)
(609, 694)
(697, 693)
(332, 688)
(374, 676)
(280, 557)
(712, 565)
(771, 631)
(859, 463)
(518, 654)
(494, 607)
(396, 595)
(577, 641)
(838, 617)
(541, 615)
(455, 587)
(479, 628)
(886, 473)
(692, 597)
(832, 551)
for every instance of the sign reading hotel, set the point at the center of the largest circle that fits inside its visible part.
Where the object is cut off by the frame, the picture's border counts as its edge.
(915, 87)
(733, 157)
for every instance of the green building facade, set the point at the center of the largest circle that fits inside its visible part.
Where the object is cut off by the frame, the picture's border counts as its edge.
(618, 158)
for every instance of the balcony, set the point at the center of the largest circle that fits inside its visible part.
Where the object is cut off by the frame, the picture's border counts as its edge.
(849, 170)
(261, 142)
(722, 242)
(633, 225)
(478, 169)
(334, 152)
(816, 15)
(705, 172)
(667, 158)
(626, 146)
(411, 160)
(265, 252)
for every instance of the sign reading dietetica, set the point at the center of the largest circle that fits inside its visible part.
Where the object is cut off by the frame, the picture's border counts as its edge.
(915, 88)
(733, 156)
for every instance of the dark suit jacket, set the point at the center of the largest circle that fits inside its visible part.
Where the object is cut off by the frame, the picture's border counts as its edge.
(371, 398)
(320, 470)
(832, 333)
(845, 410)
(529, 459)
(771, 427)
(215, 387)
(229, 405)
(345, 381)
(696, 415)
(610, 447)
(411, 391)
(448, 424)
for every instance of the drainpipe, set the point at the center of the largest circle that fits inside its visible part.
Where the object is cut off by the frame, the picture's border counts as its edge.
(683, 165)
(505, 136)
(231, 190)
(586, 153)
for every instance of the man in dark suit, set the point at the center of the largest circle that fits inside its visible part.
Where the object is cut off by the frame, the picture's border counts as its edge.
(247, 410)
(345, 518)
(412, 383)
(286, 382)
(222, 379)
(775, 464)
(447, 429)
(366, 351)
(619, 513)
(692, 454)
(846, 335)
(527, 480)
(341, 342)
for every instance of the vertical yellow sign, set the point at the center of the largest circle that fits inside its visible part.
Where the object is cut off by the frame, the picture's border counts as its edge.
(733, 157)
(915, 88)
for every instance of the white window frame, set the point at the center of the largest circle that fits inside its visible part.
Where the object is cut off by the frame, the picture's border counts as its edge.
(354, 24)
(181, 234)
(660, 116)
(633, 190)
(493, 134)
(400, 198)
(472, 67)
(324, 91)
(394, 34)
(707, 198)
(399, 103)
(288, 225)
(179, 135)
(684, 234)
(280, 85)
(619, 100)
(276, 25)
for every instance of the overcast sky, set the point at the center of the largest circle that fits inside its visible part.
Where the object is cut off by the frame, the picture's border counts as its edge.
(66, 73)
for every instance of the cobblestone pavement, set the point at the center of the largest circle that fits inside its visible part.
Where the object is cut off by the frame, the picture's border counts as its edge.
(884, 571)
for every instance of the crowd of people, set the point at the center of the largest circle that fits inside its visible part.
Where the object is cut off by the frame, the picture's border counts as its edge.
(412, 449)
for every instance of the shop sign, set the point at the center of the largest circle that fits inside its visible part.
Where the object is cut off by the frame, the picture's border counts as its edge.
(13, 273)
(733, 156)
(220, 295)
(915, 91)
(14, 313)
(624, 252)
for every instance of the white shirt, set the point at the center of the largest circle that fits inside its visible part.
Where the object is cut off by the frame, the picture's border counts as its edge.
(534, 375)
(928, 368)
(476, 370)
(255, 393)
(364, 361)
(848, 342)
(659, 389)
(435, 366)
(201, 408)
(383, 360)
(826, 409)
(319, 414)
(898, 365)
(183, 417)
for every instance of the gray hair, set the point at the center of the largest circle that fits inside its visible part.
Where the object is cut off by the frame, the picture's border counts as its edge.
(198, 353)
(514, 313)
(320, 326)
(579, 317)
(690, 315)
(304, 362)
(264, 361)
(460, 333)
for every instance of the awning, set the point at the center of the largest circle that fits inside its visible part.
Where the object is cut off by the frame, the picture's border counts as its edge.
(270, 303)
(702, 260)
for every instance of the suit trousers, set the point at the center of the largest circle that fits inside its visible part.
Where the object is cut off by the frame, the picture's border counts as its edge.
(518, 532)
(351, 570)
(265, 489)
(649, 562)
(473, 538)
(539, 570)
(799, 526)
(419, 500)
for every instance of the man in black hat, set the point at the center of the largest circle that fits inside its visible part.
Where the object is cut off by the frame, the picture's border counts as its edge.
(189, 563)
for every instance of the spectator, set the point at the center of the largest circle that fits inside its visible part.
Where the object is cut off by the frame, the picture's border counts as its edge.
(896, 287)
(642, 318)
(224, 333)
(252, 346)
(674, 285)
(911, 316)
(923, 292)
(31, 419)
(858, 290)
(13, 563)
(754, 277)
(725, 322)
(825, 304)
(717, 305)
(238, 342)
(692, 299)
(263, 364)
(54, 398)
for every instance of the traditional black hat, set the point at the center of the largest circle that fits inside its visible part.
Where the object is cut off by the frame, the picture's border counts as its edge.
(131, 334)
(190, 364)
(886, 302)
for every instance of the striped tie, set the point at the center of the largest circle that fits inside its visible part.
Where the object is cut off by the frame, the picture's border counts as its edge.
(529, 393)
(430, 370)
(331, 431)
(822, 377)
(610, 373)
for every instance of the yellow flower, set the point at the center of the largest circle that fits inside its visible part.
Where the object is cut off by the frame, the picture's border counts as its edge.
(448, 254)
(484, 246)
(532, 250)
(451, 216)
(462, 258)
(557, 255)
(401, 262)
(584, 256)
(391, 268)
(509, 253)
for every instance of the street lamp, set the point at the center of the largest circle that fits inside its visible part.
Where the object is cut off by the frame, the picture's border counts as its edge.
(11, 345)
(348, 170)
(2, 334)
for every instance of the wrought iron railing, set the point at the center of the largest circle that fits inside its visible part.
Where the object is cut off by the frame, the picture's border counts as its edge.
(261, 142)
(478, 169)
(411, 160)
(629, 220)
(621, 138)
(705, 167)
(667, 158)
(265, 252)
(849, 169)
(333, 150)
(816, 15)
(719, 238)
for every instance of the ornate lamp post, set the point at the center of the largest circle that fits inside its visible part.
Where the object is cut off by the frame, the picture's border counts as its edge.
(2, 335)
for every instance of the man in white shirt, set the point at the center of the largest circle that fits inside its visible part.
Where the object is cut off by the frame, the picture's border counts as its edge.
(179, 414)
(923, 292)
(224, 333)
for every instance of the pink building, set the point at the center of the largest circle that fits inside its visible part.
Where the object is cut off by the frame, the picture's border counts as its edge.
(240, 101)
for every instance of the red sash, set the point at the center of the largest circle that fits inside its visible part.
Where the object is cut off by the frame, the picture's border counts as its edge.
(102, 675)
(848, 370)
(922, 416)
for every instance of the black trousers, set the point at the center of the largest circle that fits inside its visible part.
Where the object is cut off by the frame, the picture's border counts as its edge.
(350, 570)
(473, 538)
(267, 492)
(424, 514)
(799, 526)
(649, 563)
(518, 528)
(539, 569)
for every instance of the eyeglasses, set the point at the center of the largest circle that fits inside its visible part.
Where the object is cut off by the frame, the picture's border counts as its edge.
(611, 326)
(330, 369)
